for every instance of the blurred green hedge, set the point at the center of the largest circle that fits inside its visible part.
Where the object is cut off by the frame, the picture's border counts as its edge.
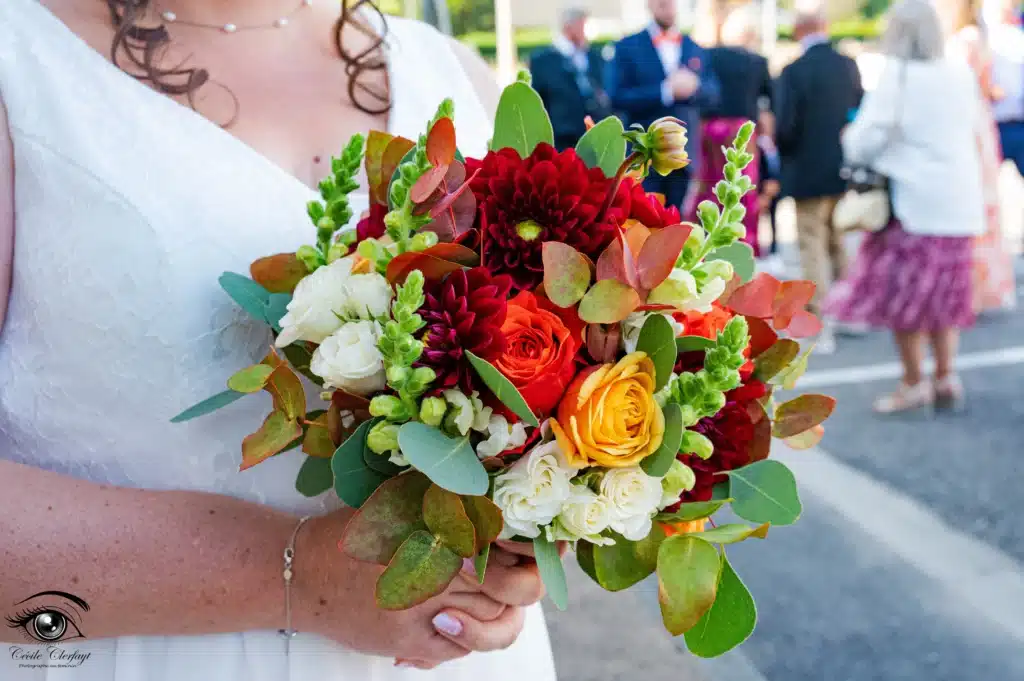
(528, 40)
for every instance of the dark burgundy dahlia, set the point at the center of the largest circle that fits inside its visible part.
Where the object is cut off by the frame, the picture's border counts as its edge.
(549, 196)
(463, 312)
(731, 431)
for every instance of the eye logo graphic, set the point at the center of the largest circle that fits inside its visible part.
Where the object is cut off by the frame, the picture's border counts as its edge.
(57, 618)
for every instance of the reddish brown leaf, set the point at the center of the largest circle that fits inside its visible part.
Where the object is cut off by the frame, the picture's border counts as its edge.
(278, 273)
(603, 342)
(396, 150)
(610, 264)
(762, 336)
(428, 183)
(801, 414)
(376, 144)
(386, 519)
(804, 325)
(807, 439)
(441, 142)
(655, 308)
(435, 262)
(348, 402)
(659, 254)
(455, 213)
(608, 302)
(756, 298)
(629, 256)
(318, 441)
(792, 297)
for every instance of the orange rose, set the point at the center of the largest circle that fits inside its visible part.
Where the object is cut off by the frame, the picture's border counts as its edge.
(540, 350)
(684, 527)
(707, 325)
(608, 416)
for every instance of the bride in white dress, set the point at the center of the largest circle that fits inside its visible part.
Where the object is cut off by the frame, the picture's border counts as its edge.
(121, 201)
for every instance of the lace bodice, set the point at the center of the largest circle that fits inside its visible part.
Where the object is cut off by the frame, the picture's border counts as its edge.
(128, 207)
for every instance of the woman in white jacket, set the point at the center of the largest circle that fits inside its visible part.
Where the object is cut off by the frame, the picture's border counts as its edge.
(918, 127)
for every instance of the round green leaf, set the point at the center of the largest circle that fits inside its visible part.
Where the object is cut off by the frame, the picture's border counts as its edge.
(729, 622)
(658, 463)
(354, 481)
(658, 340)
(446, 517)
(765, 492)
(687, 579)
(802, 414)
(315, 477)
(521, 121)
(552, 572)
(251, 379)
(567, 273)
(449, 463)
(387, 518)
(421, 569)
(609, 301)
(603, 146)
(502, 389)
(695, 510)
(740, 256)
(620, 565)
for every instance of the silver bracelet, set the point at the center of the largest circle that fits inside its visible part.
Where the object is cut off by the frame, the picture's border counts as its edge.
(289, 556)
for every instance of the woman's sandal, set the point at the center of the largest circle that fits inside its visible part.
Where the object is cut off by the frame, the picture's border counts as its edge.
(949, 394)
(906, 398)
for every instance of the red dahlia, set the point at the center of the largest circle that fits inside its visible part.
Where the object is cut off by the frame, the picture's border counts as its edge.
(648, 210)
(549, 196)
(731, 431)
(463, 312)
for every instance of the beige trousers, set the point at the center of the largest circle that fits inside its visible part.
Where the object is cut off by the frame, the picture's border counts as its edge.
(822, 255)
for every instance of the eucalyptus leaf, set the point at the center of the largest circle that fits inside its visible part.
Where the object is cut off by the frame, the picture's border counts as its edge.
(445, 516)
(521, 121)
(733, 533)
(277, 307)
(694, 510)
(740, 255)
(620, 565)
(422, 568)
(207, 406)
(315, 477)
(449, 463)
(729, 622)
(658, 463)
(765, 492)
(354, 481)
(693, 343)
(604, 146)
(658, 340)
(552, 572)
(503, 390)
(249, 295)
(688, 570)
(392, 513)
(251, 379)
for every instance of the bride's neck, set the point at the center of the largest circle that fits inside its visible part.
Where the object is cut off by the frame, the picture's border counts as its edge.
(235, 11)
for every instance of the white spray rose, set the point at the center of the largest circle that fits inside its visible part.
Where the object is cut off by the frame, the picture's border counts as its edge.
(634, 324)
(681, 291)
(369, 296)
(585, 515)
(349, 359)
(316, 303)
(502, 436)
(531, 493)
(680, 478)
(470, 412)
(633, 497)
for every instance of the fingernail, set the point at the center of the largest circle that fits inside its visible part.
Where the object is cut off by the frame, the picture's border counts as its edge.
(447, 624)
(468, 566)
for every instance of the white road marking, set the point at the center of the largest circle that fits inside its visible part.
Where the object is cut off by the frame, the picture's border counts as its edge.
(971, 570)
(893, 370)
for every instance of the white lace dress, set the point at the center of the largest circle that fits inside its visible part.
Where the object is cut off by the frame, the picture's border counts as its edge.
(128, 207)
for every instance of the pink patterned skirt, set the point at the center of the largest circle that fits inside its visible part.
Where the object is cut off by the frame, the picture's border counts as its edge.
(907, 282)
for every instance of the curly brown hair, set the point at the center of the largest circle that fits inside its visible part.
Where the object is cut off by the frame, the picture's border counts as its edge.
(143, 46)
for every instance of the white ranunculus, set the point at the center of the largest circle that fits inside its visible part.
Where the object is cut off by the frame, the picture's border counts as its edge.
(502, 436)
(633, 497)
(585, 515)
(680, 478)
(316, 303)
(369, 296)
(349, 359)
(470, 412)
(531, 493)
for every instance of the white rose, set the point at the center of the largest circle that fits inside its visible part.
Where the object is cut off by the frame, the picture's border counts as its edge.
(470, 412)
(681, 291)
(633, 497)
(501, 437)
(531, 493)
(349, 359)
(585, 515)
(369, 296)
(316, 303)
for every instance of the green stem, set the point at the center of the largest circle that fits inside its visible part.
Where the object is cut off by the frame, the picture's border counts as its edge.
(617, 182)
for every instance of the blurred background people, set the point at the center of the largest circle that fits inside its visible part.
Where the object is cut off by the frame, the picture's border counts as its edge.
(967, 41)
(814, 98)
(660, 72)
(914, 277)
(745, 83)
(569, 75)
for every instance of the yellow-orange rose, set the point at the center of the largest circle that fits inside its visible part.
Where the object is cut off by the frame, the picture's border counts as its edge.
(691, 527)
(608, 416)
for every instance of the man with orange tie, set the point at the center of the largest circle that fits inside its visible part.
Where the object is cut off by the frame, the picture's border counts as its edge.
(660, 72)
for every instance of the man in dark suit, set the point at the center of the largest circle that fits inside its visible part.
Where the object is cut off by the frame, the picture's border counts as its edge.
(814, 99)
(660, 72)
(569, 76)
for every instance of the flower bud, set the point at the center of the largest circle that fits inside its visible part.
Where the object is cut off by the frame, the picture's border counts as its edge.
(680, 478)
(424, 375)
(424, 240)
(432, 411)
(310, 257)
(718, 269)
(398, 375)
(336, 252)
(387, 406)
(695, 443)
(667, 139)
(383, 438)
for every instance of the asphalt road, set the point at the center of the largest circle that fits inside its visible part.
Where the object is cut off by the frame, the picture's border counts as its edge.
(907, 564)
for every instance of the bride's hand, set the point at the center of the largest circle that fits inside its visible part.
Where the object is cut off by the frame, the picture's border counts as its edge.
(334, 597)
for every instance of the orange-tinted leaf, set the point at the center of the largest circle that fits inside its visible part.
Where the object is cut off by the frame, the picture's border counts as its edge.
(566, 273)
(608, 302)
(762, 336)
(610, 264)
(396, 150)
(807, 439)
(445, 516)
(629, 257)
(422, 568)
(486, 518)
(318, 441)
(435, 262)
(385, 520)
(756, 298)
(776, 358)
(428, 183)
(376, 144)
(351, 403)
(286, 388)
(801, 414)
(441, 142)
(659, 254)
(636, 236)
(730, 288)
(804, 325)
(278, 273)
(793, 297)
(603, 342)
(761, 443)
(277, 432)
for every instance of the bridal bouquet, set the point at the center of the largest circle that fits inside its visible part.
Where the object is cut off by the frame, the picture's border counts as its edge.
(528, 346)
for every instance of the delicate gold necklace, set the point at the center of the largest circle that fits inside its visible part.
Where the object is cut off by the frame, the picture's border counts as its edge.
(171, 17)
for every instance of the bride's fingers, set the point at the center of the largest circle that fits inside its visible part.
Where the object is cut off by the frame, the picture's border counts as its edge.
(518, 585)
(523, 549)
(475, 604)
(472, 634)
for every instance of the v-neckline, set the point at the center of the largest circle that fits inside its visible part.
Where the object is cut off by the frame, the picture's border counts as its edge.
(189, 114)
